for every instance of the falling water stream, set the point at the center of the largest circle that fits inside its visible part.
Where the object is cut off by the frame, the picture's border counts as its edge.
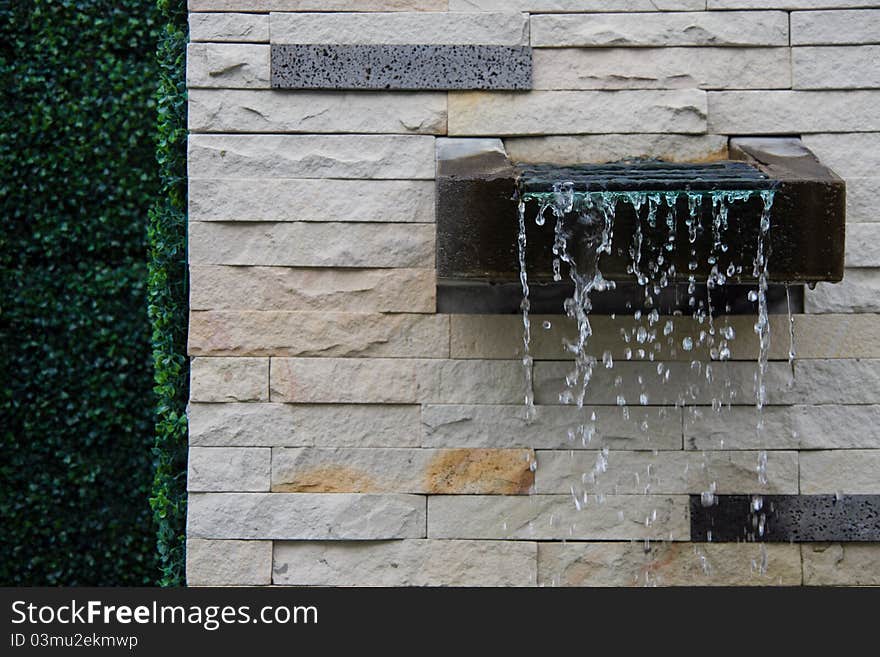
(651, 266)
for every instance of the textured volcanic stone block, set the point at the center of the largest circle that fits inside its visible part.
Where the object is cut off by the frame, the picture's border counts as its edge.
(307, 66)
(798, 518)
(481, 28)
(411, 562)
(303, 425)
(228, 563)
(377, 470)
(305, 516)
(666, 564)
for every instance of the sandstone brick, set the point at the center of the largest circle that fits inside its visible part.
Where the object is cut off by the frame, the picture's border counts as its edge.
(238, 27)
(785, 427)
(353, 380)
(847, 564)
(855, 381)
(506, 426)
(305, 516)
(229, 379)
(439, 381)
(836, 67)
(490, 29)
(853, 155)
(861, 199)
(317, 5)
(610, 148)
(749, 28)
(228, 563)
(770, 112)
(346, 380)
(662, 68)
(550, 6)
(862, 246)
(667, 564)
(312, 200)
(788, 4)
(427, 471)
(229, 469)
(227, 65)
(851, 471)
(411, 562)
(311, 156)
(632, 473)
(859, 292)
(218, 287)
(303, 425)
(239, 110)
(304, 244)
(835, 27)
(548, 517)
(731, 381)
(281, 333)
(562, 112)
(500, 336)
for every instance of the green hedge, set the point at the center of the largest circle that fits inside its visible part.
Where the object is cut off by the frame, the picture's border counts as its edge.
(77, 177)
(168, 298)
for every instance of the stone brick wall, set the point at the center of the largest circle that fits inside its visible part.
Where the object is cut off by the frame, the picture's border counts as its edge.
(342, 432)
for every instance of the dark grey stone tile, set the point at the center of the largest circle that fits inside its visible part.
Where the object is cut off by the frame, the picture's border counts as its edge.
(406, 67)
(787, 518)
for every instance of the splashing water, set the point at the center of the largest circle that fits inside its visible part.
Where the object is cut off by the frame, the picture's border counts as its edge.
(591, 216)
(527, 360)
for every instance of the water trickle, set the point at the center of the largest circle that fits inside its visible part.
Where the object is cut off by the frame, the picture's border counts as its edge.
(525, 306)
(583, 230)
(791, 349)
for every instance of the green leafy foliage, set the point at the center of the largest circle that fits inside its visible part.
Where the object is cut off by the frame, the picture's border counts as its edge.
(167, 291)
(77, 177)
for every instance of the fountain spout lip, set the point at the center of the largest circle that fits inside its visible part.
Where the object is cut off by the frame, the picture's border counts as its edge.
(478, 189)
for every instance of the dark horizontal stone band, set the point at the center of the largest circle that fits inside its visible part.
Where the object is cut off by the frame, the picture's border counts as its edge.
(409, 67)
(786, 518)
